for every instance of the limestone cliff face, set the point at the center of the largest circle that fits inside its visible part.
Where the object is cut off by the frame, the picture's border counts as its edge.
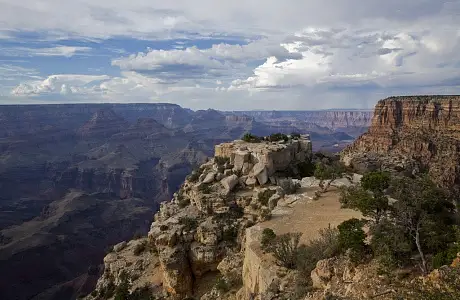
(202, 230)
(412, 134)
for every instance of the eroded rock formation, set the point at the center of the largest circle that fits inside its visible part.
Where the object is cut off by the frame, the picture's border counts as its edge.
(204, 226)
(412, 135)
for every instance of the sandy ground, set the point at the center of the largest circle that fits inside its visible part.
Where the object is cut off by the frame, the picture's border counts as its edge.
(299, 213)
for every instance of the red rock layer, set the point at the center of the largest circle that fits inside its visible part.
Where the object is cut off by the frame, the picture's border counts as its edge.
(425, 129)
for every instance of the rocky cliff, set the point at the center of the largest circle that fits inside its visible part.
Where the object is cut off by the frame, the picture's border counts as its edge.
(337, 120)
(201, 231)
(412, 134)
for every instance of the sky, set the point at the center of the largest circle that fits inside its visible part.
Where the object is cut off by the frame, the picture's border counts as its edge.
(228, 55)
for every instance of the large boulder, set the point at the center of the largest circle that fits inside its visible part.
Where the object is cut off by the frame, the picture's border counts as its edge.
(241, 157)
(229, 182)
(260, 172)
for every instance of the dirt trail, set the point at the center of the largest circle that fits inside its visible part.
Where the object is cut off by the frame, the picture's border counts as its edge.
(309, 216)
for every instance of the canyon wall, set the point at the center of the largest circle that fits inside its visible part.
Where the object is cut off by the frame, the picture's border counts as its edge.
(332, 119)
(412, 135)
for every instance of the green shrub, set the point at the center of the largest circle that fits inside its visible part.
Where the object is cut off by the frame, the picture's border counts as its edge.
(325, 246)
(390, 245)
(189, 223)
(264, 196)
(351, 237)
(122, 290)
(222, 285)
(142, 293)
(205, 188)
(140, 248)
(184, 202)
(446, 257)
(295, 135)
(285, 249)
(250, 138)
(219, 160)
(230, 234)
(306, 169)
(268, 235)
(275, 137)
(107, 291)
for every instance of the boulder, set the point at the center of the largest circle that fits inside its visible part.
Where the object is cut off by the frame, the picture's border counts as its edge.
(260, 172)
(240, 158)
(229, 182)
(209, 177)
(323, 272)
(219, 176)
(120, 246)
(228, 172)
(273, 201)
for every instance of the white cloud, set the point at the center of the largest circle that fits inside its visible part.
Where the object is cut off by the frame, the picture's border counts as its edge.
(305, 52)
(345, 58)
(66, 51)
(150, 18)
(63, 83)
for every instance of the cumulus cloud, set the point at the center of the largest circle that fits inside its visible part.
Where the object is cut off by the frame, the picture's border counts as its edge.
(64, 84)
(303, 52)
(346, 58)
(218, 62)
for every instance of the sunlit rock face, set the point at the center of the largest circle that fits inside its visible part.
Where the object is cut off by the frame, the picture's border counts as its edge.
(412, 134)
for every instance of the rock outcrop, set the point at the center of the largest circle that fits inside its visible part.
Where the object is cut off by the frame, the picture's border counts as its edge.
(263, 160)
(412, 135)
(201, 231)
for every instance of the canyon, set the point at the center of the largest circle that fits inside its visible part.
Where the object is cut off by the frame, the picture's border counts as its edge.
(206, 243)
(78, 178)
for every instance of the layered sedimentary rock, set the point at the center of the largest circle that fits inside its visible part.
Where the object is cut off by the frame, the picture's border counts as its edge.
(412, 134)
(260, 161)
(204, 226)
(333, 119)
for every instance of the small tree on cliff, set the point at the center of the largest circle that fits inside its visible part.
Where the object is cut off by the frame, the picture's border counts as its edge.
(327, 172)
(369, 197)
(425, 212)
